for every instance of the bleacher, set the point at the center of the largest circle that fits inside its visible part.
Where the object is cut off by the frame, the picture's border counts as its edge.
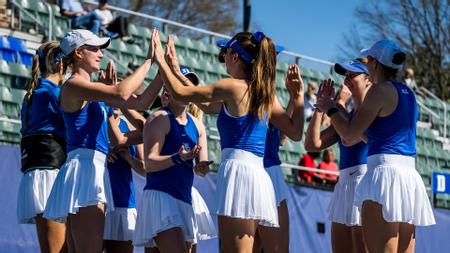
(200, 56)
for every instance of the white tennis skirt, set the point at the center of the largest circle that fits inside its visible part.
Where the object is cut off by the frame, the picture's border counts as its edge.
(158, 212)
(34, 189)
(119, 224)
(393, 182)
(205, 224)
(244, 188)
(279, 185)
(82, 181)
(341, 208)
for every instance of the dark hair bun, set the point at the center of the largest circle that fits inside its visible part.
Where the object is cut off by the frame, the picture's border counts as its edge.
(399, 58)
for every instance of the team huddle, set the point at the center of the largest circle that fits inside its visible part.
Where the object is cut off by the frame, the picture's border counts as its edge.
(82, 139)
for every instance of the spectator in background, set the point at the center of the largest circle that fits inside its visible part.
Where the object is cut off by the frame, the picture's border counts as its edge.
(409, 79)
(328, 163)
(308, 160)
(80, 17)
(114, 27)
(310, 100)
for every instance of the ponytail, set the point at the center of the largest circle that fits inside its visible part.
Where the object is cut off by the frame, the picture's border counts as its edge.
(34, 76)
(262, 79)
(260, 59)
(44, 63)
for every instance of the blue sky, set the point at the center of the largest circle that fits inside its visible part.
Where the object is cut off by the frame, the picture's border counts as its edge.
(313, 28)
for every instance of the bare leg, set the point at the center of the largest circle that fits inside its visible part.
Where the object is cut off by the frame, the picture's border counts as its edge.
(379, 235)
(87, 227)
(341, 238)
(257, 245)
(51, 235)
(358, 240)
(171, 241)
(152, 250)
(112, 246)
(276, 239)
(407, 238)
(236, 235)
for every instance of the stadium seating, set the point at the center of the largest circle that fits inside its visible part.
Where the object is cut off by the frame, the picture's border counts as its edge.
(201, 57)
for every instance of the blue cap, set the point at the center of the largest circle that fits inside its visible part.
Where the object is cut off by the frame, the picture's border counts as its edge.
(187, 73)
(247, 57)
(353, 66)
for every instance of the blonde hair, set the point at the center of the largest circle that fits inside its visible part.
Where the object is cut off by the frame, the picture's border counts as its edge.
(46, 66)
(195, 111)
(262, 73)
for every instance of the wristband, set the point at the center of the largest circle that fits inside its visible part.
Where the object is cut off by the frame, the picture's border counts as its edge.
(332, 111)
(176, 158)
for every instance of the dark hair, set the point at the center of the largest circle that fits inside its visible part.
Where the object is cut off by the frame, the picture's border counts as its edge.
(261, 72)
(44, 63)
(398, 58)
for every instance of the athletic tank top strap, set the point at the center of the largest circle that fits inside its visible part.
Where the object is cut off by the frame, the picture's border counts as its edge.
(176, 180)
(396, 133)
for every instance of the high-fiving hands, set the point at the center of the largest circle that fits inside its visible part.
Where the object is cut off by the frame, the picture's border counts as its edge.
(325, 96)
(293, 81)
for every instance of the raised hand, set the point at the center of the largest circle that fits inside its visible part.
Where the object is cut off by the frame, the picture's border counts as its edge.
(185, 155)
(109, 76)
(293, 81)
(325, 96)
(171, 55)
(343, 95)
(202, 168)
(156, 47)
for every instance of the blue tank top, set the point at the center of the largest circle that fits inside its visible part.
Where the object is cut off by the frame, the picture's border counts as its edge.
(176, 180)
(271, 157)
(45, 114)
(121, 177)
(353, 155)
(244, 132)
(88, 127)
(396, 133)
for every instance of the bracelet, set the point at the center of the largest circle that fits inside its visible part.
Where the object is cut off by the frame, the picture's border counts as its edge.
(332, 111)
(176, 158)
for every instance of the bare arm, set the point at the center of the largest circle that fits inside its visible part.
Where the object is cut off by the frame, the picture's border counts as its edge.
(145, 100)
(82, 90)
(291, 124)
(155, 132)
(316, 140)
(135, 119)
(354, 128)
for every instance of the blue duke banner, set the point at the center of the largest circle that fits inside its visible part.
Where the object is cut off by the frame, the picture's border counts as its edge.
(441, 182)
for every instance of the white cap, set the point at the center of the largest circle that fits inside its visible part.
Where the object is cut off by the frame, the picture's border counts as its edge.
(384, 51)
(80, 37)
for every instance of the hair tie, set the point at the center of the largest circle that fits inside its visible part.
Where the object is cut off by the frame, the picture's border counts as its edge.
(258, 37)
(42, 64)
(60, 55)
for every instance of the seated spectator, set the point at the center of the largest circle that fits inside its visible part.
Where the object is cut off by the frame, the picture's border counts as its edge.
(114, 27)
(409, 79)
(310, 100)
(80, 17)
(308, 160)
(328, 164)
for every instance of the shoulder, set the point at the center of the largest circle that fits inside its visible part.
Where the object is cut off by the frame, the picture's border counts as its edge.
(159, 118)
